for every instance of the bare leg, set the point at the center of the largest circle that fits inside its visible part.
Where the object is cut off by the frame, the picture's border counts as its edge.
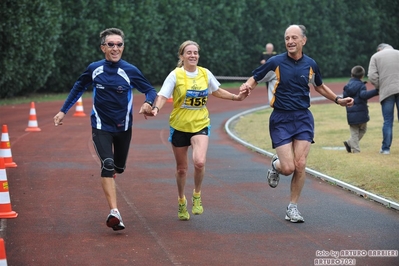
(285, 163)
(181, 168)
(292, 159)
(109, 188)
(200, 147)
(301, 151)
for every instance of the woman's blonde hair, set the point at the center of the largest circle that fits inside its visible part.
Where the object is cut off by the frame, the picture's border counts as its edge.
(181, 50)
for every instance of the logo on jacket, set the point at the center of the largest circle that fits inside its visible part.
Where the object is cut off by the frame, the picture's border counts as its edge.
(119, 89)
(99, 86)
(122, 124)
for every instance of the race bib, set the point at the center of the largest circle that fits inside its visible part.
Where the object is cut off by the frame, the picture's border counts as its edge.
(195, 99)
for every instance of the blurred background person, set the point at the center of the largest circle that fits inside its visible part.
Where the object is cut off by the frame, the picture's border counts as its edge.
(269, 52)
(383, 73)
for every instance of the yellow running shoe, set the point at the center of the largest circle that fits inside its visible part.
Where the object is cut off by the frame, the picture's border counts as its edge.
(197, 204)
(183, 213)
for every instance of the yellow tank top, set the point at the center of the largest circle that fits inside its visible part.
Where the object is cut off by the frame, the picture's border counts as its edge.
(190, 96)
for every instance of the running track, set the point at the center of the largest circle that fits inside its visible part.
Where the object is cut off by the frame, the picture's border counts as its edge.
(62, 210)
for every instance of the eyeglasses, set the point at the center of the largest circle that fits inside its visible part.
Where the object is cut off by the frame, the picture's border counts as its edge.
(111, 44)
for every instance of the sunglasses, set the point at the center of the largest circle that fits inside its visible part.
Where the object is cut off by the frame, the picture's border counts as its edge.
(111, 44)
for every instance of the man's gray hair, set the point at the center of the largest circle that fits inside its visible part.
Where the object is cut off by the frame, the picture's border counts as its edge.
(382, 46)
(303, 29)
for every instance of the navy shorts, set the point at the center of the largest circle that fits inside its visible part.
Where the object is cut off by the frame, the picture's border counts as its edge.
(183, 139)
(285, 126)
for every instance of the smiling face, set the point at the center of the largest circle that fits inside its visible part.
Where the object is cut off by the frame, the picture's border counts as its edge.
(111, 49)
(294, 41)
(190, 57)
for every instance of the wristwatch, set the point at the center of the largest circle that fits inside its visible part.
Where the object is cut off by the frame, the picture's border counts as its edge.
(337, 98)
(149, 102)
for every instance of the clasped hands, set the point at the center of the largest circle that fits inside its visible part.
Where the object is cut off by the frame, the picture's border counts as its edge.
(243, 93)
(146, 110)
(245, 88)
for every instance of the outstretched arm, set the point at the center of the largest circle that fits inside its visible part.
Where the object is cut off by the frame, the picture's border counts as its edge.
(249, 85)
(329, 94)
(224, 94)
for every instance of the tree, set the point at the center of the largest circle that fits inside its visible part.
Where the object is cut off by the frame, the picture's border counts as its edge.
(51, 42)
(29, 31)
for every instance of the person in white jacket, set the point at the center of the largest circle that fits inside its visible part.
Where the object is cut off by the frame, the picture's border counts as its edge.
(383, 73)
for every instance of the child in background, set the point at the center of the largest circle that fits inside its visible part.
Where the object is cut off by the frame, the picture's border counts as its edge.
(358, 114)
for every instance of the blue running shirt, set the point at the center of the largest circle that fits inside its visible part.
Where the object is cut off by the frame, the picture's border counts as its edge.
(290, 79)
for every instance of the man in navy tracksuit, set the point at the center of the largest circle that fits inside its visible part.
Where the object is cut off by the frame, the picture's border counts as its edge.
(113, 80)
(358, 114)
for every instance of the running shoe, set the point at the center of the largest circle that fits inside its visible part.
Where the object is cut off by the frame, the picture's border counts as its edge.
(273, 176)
(197, 205)
(183, 213)
(114, 220)
(293, 215)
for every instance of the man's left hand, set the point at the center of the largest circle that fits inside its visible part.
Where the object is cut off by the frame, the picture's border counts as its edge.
(348, 101)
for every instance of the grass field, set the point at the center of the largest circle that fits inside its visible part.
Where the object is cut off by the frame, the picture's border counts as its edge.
(368, 169)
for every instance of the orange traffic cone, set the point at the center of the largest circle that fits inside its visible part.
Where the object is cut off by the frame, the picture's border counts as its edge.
(5, 202)
(3, 257)
(5, 148)
(79, 108)
(32, 124)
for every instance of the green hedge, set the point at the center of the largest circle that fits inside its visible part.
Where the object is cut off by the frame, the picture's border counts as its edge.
(46, 44)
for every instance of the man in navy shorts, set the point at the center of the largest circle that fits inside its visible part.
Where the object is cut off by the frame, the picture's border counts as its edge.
(291, 123)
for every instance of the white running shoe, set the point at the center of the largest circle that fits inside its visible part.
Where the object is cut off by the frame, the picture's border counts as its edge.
(114, 220)
(293, 215)
(273, 177)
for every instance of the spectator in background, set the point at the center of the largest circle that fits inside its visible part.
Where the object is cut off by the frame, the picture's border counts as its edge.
(358, 114)
(267, 54)
(383, 73)
(379, 48)
(263, 58)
